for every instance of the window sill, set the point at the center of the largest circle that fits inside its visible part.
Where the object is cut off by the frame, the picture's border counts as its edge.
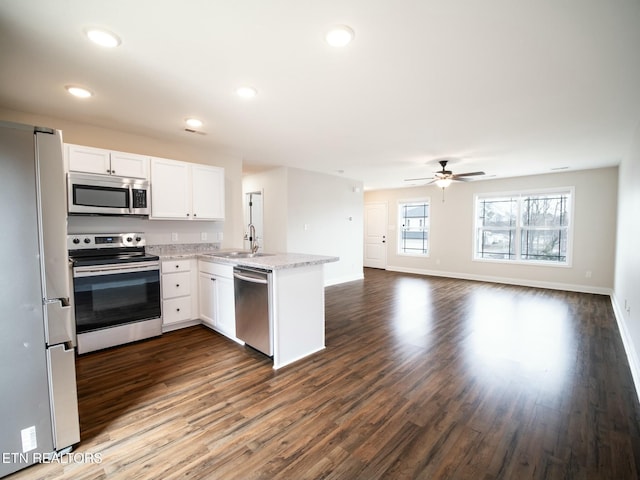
(532, 263)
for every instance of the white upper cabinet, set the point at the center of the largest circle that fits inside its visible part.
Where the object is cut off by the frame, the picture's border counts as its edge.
(170, 194)
(208, 191)
(181, 190)
(129, 165)
(107, 162)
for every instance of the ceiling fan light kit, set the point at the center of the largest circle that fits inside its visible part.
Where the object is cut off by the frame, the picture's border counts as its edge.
(443, 182)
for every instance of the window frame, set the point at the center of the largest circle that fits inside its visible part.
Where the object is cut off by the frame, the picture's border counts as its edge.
(519, 195)
(400, 228)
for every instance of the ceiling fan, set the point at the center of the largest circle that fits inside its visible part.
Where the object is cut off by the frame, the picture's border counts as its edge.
(444, 177)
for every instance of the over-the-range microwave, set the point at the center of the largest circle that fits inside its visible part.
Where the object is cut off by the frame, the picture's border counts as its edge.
(107, 195)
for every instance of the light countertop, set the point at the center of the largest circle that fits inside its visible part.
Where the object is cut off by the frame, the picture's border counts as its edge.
(273, 262)
(210, 252)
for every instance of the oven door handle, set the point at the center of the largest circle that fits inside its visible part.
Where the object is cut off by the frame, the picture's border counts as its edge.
(95, 270)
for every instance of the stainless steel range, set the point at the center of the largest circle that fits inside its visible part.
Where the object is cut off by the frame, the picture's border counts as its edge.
(116, 287)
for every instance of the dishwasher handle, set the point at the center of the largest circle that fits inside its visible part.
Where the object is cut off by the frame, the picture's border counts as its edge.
(247, 278)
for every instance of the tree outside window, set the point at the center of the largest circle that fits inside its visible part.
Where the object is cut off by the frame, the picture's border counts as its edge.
(524, 227)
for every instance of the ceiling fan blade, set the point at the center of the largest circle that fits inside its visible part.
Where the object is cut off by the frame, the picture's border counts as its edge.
(417, 179)
(469, 174)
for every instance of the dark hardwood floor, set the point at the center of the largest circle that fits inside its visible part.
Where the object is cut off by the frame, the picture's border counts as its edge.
(422, 378)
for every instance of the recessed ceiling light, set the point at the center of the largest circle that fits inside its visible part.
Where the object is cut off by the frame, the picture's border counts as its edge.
(79, 92)
(104, 38)
(340, 36)
(193, 122)
(246, 92)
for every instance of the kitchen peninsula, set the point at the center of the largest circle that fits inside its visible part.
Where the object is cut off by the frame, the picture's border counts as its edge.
(296, 296)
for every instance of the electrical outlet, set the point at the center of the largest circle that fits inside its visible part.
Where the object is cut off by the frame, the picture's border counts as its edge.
(588, 274)
(203, 236)
(174, 237)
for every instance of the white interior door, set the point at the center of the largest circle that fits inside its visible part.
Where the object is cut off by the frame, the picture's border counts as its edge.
(375, 235)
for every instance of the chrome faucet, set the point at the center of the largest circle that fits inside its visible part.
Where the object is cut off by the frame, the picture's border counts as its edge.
(252, 238)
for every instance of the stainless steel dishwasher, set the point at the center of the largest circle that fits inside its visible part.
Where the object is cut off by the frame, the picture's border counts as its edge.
(252, 290)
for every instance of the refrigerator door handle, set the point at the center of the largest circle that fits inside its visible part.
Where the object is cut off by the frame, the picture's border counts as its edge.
(60, 323)
(64, 396)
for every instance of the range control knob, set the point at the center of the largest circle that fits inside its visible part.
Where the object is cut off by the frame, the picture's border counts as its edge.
(138, 239)
(129, 239)
(87, 240)
(76, 240)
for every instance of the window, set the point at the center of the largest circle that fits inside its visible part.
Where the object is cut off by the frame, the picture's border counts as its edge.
(413, 218)
(524, 227)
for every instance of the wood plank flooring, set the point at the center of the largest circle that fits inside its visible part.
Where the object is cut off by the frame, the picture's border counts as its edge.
(422, 378)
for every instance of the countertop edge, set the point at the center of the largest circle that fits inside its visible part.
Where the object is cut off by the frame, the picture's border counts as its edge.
(278, 261)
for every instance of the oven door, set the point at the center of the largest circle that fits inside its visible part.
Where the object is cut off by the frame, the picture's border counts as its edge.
(111, 295)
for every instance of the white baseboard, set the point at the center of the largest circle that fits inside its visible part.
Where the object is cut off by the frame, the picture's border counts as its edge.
(632, 355)
(506, 280)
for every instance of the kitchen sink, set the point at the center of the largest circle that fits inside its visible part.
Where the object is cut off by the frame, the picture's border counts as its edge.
(241, 254)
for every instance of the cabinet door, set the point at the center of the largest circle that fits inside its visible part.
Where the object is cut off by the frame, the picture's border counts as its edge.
(226, 306)
(208, 192)
(207, 298)
(88, 159)
(129, 165)
(170, 192)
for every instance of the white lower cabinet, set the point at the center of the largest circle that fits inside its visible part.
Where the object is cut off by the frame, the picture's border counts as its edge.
(207, 298)
(179, 298)
(226, 305)
(216, 297)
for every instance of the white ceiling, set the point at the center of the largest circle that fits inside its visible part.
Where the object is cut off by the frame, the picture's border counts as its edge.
(508, 87)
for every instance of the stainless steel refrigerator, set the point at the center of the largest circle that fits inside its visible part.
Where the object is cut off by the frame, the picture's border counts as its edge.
(38, 396)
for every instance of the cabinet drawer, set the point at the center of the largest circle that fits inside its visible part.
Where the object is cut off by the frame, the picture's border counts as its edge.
(169, 266)
(176, 285)
(215, 268)
(176, 310)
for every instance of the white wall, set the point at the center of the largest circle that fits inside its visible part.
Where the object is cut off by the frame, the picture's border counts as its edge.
(326, 218)
(314, 213)
(452, 231)
(273, 185)
(158, 231)
(626, 295)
